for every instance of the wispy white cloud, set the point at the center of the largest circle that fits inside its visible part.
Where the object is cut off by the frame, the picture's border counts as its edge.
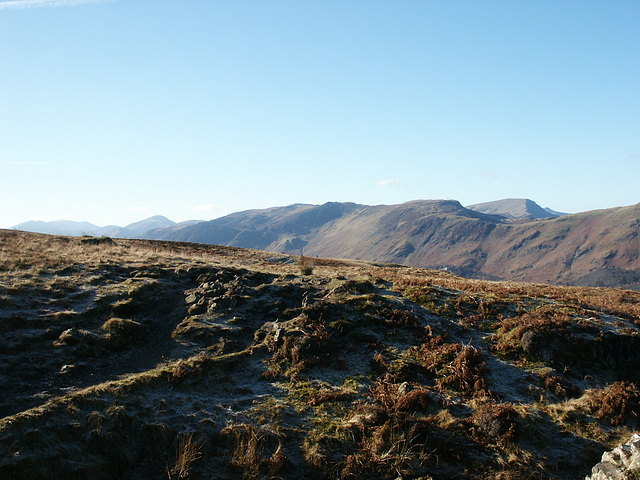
(139, 208)
(204, 208)
(487, 174)
(44, 3)
(387, 183)
(25, 163)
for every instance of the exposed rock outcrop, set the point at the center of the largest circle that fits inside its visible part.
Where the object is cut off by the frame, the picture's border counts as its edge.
(621, 463)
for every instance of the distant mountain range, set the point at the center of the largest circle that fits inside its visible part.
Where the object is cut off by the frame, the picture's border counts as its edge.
(512, 239)
(133, 230)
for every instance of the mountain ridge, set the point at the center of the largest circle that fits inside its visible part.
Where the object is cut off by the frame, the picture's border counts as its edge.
(74, 228)
(515, 208)
(596, 248)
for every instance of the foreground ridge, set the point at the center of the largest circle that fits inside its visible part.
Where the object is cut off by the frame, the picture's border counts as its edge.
(148, 359)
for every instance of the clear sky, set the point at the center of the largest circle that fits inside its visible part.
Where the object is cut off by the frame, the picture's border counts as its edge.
(113, 111)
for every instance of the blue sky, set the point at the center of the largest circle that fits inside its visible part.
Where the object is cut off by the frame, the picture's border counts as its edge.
(113, 111)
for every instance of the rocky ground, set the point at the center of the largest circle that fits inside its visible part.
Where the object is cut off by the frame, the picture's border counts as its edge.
(135, 359)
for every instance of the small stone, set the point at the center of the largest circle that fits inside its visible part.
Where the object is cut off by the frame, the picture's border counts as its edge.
(67, 368)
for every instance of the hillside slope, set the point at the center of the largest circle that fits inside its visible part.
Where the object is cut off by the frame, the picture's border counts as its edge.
(598, 248)
(155, 360)
(274, 229)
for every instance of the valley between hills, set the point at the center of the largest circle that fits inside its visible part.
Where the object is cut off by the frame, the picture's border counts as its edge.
(149, 359)
(511, 239)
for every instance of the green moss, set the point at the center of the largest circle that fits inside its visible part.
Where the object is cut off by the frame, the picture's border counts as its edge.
(354, 383)
(300, 393)
(342, 325)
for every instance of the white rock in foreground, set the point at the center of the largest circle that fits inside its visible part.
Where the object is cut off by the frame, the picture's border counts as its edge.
(621, 463)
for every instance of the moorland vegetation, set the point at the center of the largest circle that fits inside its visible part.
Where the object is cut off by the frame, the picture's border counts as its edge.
(156, 359)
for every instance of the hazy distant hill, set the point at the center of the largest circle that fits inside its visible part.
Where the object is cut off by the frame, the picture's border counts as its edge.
(514, 208)
(163, 232)
(74, 229)
(592, 248)
(67, 227)
(138, 229)
(556, 213)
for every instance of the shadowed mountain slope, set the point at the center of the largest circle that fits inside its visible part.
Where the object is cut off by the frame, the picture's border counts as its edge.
(274, 229)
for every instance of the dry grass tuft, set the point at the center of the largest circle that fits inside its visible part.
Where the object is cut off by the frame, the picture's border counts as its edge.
(494, 423)
(255, 452)
(455, 366)
(402, 397)
(187, 452)
(305, 265)
(619, 403)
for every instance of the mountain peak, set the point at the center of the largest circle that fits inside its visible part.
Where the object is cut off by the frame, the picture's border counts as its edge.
(513, 208)
(151, 223)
